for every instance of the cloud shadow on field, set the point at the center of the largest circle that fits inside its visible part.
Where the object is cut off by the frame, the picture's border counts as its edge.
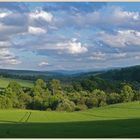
(125, 128)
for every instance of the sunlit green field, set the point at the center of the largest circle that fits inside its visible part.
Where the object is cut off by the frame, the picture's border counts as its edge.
(121, 120)
(5, 81)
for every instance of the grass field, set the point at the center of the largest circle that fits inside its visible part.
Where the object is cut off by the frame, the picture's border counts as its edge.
(5, 81)
(118, 121)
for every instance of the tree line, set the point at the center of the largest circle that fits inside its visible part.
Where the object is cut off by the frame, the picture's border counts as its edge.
(75, 96)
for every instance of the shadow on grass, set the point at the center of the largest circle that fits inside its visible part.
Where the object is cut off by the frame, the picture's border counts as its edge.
(127, 128)
(5, 121)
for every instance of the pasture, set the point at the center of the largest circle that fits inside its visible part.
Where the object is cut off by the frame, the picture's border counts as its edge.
(114, 121)
(5, 81)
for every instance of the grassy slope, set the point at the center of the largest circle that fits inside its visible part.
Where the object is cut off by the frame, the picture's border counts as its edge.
(121, 120)
(5, 81)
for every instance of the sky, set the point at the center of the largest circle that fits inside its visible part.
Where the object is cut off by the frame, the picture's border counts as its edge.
(69, 35)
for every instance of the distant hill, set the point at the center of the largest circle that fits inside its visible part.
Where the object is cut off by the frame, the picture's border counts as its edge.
(28, 74)
(33, 75)
(24, 83)
(129, 74)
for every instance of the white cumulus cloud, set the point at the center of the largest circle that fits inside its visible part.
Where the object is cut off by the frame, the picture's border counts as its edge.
(98, 56)
(6, 57)
(121, 38)
(72, 47)
(36, 30)
(44, 63)
(41, 15)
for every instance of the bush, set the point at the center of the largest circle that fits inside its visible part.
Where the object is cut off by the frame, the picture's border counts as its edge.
(53, 102)
(101, 96)
(102, 103)
(91, 102)
(80, 107)
(113, 98)
(127, 93)
(24, 100)
(66, 105)
(5, 102)
(37, 103)
(137, 95)
(48, 109)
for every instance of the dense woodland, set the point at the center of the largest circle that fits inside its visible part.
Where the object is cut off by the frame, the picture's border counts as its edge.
(75, 94)
(79, 95)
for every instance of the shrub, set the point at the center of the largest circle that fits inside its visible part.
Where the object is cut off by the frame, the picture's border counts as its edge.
(113, 98)
(24, 100)
(66, 105)
(91, 102)
(48, 109)
(5, 102)
(102, 103)
(37, 103)
(127, 93)
(137, 95)
(80, 107)
(53, 102)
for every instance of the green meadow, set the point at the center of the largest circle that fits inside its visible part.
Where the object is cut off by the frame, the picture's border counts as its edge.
(119, 121)
(5, 81)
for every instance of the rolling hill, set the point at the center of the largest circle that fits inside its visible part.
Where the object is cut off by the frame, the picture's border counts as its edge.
(119, 121)
(24, 83)
(122, 74)
(130, 74)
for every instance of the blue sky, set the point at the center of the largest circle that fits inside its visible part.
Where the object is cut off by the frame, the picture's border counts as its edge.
(69, 36)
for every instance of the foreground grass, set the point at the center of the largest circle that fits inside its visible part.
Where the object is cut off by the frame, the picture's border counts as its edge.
(121, 120)
(5, 81)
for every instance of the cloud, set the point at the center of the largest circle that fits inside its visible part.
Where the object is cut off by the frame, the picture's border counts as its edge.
(107, 18)
(4, 44)
(120, 55)
(82, 34)
(98, 56)
(8, 58)
(36, 30)
(72, 47)
(12, 23)
(42, 64)
(4, 14)
(137, 57)
(59, 47)
(121, 38)
(41, 15)
(12, 61)
(19, 25)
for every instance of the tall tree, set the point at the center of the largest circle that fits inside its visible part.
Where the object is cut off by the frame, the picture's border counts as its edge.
(127, 93)
(55, 86)
(40, 88)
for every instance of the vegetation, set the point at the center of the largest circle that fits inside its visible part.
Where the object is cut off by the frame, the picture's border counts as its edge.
(24, 83)
(70, 94)
(69, 107)
(130, 74)
(119, 121)
(79, 95)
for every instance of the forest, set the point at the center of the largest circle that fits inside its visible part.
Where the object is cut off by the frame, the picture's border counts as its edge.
(79, 93)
